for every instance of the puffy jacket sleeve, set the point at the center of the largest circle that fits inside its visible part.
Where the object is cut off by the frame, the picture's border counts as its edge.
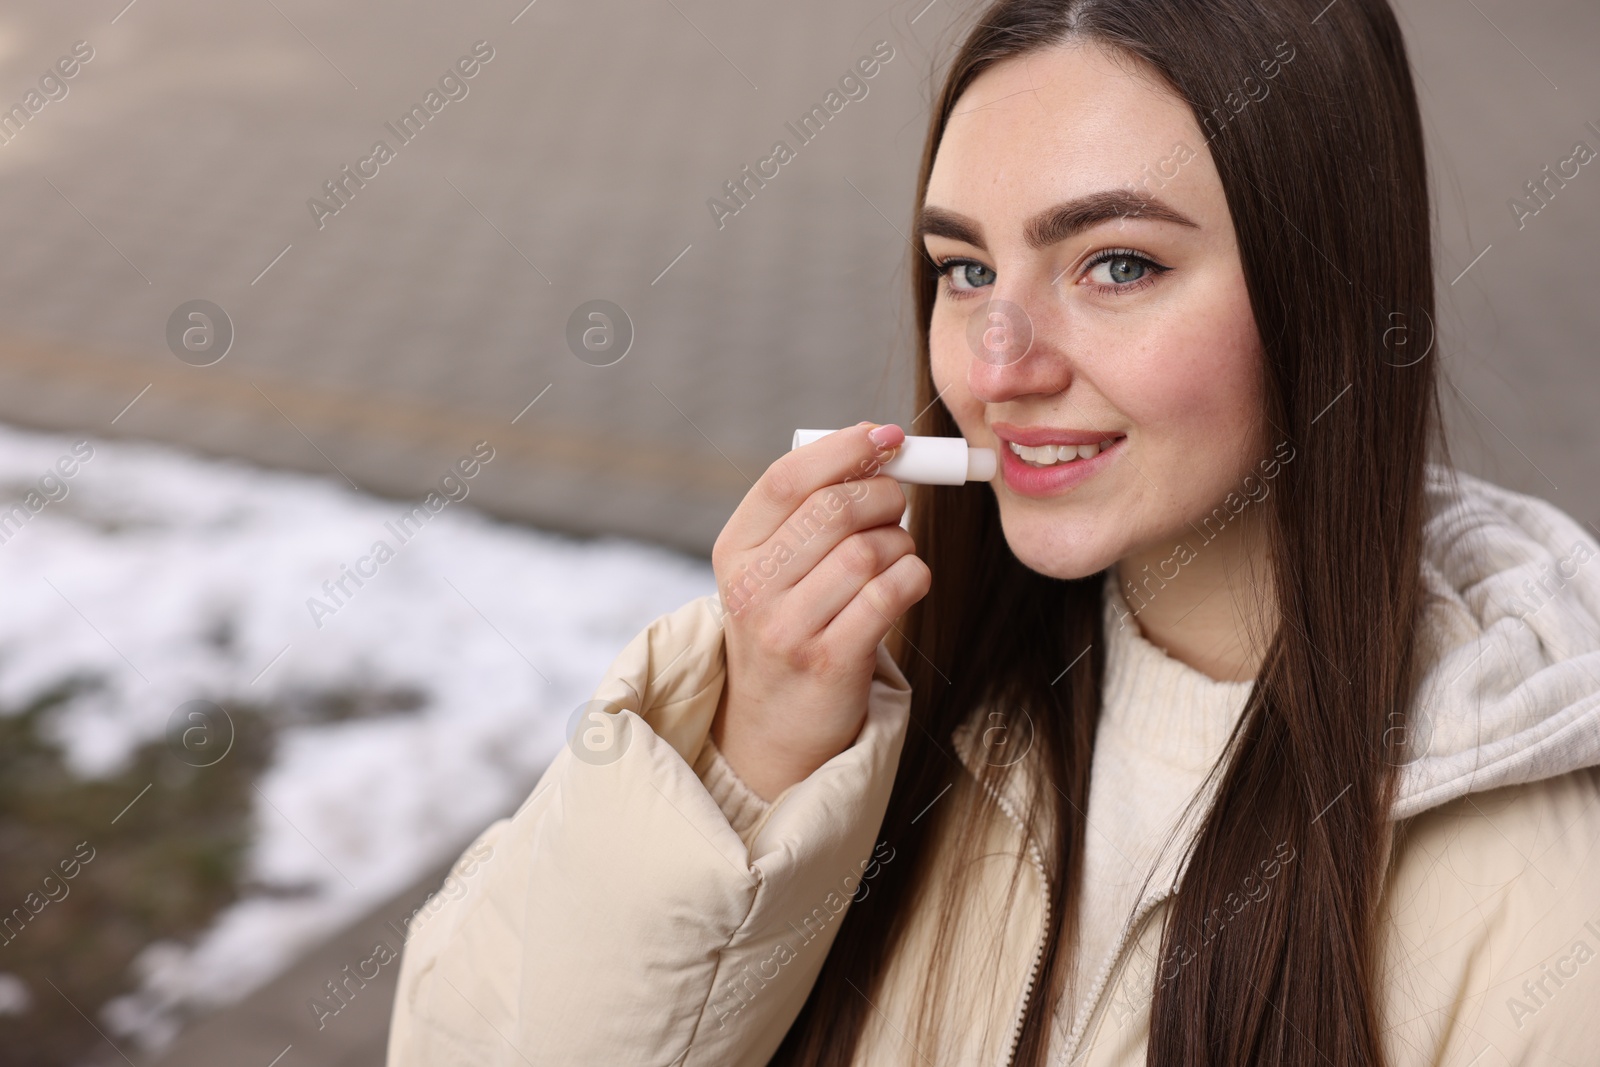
(643, 906)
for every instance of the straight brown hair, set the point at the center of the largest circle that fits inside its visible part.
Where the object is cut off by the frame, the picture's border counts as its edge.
(1326, 182)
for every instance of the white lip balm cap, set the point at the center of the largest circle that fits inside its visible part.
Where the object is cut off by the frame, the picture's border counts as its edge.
(927, 460)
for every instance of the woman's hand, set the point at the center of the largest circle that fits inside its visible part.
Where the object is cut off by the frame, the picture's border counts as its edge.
(813, 569)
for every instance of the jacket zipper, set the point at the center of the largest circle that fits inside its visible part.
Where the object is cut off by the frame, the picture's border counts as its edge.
(1130, 932)
(1097, 991)
(1044, 923)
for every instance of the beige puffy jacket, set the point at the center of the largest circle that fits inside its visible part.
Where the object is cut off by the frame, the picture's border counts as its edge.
(652, 910)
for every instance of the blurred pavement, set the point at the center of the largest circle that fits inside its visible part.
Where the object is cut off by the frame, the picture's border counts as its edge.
(433, 307)
(278, 1020)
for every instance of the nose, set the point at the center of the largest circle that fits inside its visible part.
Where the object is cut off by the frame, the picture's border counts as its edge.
(1009, 358)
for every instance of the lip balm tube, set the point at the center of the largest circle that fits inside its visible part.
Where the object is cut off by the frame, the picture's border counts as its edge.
(927, 460)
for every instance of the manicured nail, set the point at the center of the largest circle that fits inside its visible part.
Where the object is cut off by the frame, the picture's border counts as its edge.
(887, 436)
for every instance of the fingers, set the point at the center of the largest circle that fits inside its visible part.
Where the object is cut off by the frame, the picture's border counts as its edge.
(870, 614)
(847, 455)
(816, 555)
(842, 574)
(829, 517)
(834, 513)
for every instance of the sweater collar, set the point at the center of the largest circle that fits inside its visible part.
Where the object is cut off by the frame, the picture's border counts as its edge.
(1166, 707)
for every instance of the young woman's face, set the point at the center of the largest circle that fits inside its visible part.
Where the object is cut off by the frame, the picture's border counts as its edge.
(1076, 200)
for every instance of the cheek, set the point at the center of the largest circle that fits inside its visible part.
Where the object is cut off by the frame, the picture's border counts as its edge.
(948, 361)
(1194, 386)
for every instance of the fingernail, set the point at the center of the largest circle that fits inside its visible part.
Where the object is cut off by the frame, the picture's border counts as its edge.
(886, 436)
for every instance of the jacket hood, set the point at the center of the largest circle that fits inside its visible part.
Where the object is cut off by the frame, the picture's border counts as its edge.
(1509, 690)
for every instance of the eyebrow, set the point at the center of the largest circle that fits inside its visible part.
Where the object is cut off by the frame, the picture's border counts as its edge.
(1056, 223)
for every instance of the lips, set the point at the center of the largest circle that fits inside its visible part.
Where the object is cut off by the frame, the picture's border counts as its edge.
(1046, 435)
(1044, 461)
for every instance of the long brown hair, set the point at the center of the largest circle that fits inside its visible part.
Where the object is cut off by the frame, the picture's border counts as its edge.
(1326, 182)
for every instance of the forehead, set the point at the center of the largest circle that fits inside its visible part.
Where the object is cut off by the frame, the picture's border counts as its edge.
(1057, 123)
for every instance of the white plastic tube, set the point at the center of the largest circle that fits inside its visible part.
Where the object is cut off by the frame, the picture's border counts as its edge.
(927, 460)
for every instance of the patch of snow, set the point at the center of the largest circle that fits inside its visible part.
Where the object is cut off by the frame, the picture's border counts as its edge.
(171, 578)
(14, 996)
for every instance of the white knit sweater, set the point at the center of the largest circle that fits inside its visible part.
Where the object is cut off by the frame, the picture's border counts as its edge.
(1163, 725)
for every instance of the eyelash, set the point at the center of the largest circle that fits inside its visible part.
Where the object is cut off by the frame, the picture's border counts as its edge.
(1155, 270)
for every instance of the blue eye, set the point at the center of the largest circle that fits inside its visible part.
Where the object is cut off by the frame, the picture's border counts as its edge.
(964, 275)
(1123, 269)
(1118, 268)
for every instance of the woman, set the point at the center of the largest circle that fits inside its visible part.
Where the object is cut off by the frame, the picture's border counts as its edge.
(1222, 727)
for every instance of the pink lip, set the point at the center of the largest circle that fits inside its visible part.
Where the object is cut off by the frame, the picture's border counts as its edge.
(1024, 480)
(1034, 436)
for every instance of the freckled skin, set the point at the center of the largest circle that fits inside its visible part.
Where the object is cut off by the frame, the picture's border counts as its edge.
(1175, 365)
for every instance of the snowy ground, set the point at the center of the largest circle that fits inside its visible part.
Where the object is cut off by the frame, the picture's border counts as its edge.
(176, 579)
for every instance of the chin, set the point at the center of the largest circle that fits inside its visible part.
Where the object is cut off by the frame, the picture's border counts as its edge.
(1054, 548)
